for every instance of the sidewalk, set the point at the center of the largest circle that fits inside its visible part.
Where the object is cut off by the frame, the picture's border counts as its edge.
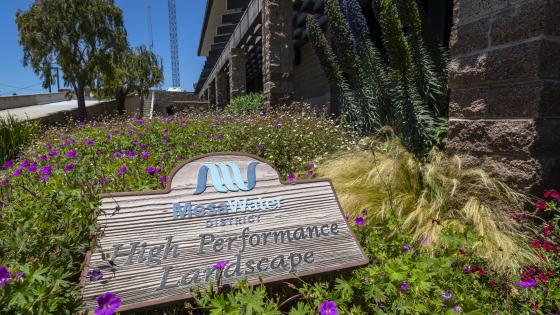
(45, 110)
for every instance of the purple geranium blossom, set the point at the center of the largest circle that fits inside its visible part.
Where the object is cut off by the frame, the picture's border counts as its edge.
(131, 154)
(8, 164)
(98, 152)
(406, 248)
(309, 173)
(527, 283)
(4, 182)
(118, 154)
(219, 136)
(52, 153)
(46, 170)
(457, 309)
(359, 221)
(328, 308)
(276, 123)
(446, 295)
(25, 164)
(95, 274)
(17, 172)
(145, 155)
(71, 153)
(291, 177)
(4, 276)
(260, 147)
(33, 167)
(165, 139)
(220, 265)
(108, 303)
(69, 167)
(90, 142)
(121, 171)
(139, 122)
(163, 179)
(364, 212)
(152, 170)
(166, 132)
(404, 286)
(466, 269)
(43, 158)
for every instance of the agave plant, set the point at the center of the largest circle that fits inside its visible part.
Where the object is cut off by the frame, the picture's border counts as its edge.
(431, 196)
(406, 87)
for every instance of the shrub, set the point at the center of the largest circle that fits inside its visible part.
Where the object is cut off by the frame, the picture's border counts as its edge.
(253, 102)
(431, 196)
(14, 135)
(407, 91)
(49, 196)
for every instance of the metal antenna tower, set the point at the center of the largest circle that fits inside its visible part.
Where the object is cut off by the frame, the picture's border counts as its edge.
(149, 14)
(173, 41)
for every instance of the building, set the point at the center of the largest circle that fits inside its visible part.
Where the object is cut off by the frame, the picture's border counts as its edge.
(247, 49)
(504, 77)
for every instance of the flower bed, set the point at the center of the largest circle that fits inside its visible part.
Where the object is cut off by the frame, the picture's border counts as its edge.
(49, 195)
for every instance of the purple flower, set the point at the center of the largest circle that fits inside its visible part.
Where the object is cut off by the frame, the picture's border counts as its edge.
(152, 170)
(19, 275)
(49, 146)
(68, 167)
(131, 154)
(219, 136)
(145, 155)
(364, 212)
(276, 123)
(406, 248)
(95, 274)
(98, 152)
(166, 132)
(46, 170)
(43, 158)
(359, 221)
(165, 139)
(309, 174)
(33, 167)
(108, 303)
(404, 286)
(107, 137)
(328, 308)
(52, 153)
(139, 134)
(163, 179)
(4, 182)
(457, 309)
(121, 171)
(90, 142)
(466, 269)
(118, 154)
(527, 283)
(4, 276)
(71, 153)
(130, 132)
(291, 177)
(8, 164)
(17, 172)
(260, 147)
(134, 142)
(25, 164)
(220, 265)
(446, 295)
(139, 122)
(312, 165)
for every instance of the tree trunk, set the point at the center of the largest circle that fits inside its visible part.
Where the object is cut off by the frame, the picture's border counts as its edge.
(80, 95)
(141, 105)
(120, 98)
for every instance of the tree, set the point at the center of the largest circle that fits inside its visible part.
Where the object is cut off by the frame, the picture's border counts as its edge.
(133, 70)
(79, 35)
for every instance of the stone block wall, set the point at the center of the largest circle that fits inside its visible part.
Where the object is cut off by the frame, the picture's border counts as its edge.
(310, 83)
(164, 99)
(505, 89)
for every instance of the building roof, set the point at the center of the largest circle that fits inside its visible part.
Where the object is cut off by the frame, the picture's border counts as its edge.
(216, 11)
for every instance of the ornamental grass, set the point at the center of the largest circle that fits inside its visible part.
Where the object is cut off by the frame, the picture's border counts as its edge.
(431, 196)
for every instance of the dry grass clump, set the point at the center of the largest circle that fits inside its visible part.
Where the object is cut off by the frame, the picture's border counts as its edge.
(431, 195)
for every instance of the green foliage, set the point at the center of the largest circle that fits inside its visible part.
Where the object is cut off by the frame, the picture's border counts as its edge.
(252, 102)
(134, 70)
(14, 135)
(47, 218)
(80, 36)
(407, 92)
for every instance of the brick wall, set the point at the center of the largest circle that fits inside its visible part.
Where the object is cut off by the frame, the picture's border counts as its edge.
(164, 99)
(310, 83)
(505, 89)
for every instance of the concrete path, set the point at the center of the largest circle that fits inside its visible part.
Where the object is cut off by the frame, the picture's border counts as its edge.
(39, 111)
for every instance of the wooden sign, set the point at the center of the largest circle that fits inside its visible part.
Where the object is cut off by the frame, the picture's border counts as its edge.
(156, 247)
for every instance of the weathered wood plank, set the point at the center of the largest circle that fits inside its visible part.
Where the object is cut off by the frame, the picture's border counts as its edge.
(285, 230)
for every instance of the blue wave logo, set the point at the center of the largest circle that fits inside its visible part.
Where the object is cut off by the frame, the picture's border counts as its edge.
(226, 177)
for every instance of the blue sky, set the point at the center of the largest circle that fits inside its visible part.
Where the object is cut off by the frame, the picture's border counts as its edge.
(190, 13)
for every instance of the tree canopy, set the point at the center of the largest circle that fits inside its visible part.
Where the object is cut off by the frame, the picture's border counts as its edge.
(79, 35)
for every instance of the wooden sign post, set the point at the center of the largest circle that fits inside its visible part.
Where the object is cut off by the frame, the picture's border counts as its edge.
(157, 246)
